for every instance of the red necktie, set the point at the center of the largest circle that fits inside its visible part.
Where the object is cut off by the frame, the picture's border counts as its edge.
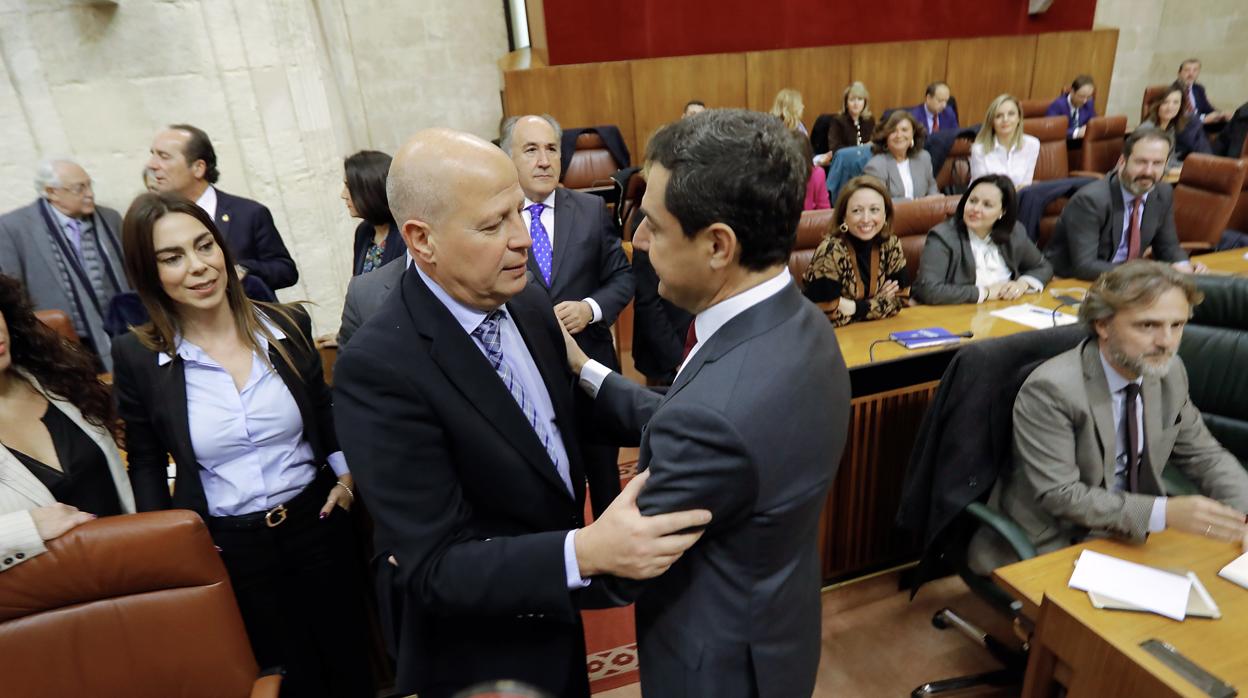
(935, 123)
(691, 338)
(1133, 242)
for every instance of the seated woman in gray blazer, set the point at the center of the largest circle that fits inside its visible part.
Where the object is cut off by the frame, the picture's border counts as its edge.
(900, 160)
(59, 464)
(982, 253)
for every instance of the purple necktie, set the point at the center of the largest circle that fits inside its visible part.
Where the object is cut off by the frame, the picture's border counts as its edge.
(73, 230)
(541, 241)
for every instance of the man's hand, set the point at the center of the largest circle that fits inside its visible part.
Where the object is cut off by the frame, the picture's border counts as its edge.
(1205, 517)
(577, 358)
(574, 315)
(1191, 267)
(626, 544)
(55, 520)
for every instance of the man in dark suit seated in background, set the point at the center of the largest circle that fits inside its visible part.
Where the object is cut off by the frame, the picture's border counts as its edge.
(935, 114)
(1095, 426)
(183, 160)
(577, 256)
(753, 427)
(1197, 101)
(1115, 219)
(453, 405)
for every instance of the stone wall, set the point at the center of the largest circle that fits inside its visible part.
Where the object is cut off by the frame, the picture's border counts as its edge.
(285, 88)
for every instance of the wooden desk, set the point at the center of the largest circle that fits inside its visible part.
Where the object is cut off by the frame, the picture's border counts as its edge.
(1226, 262)
(1095, 652)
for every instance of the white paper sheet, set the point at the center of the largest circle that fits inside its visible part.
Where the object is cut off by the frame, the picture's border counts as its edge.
(1146, 587)
(1034, 316)
(1236, 571)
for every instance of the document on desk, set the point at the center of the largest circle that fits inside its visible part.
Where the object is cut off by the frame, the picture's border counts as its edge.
(1145, 587)
(1034, 316)
(1236, 571)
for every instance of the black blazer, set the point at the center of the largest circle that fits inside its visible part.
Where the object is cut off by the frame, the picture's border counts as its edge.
(589, 262)
(464, 495)
(1089, 229)
(659, 327)
(395, 247)
(842, 133)
(947, 267)
(253, 238)
(152, 401)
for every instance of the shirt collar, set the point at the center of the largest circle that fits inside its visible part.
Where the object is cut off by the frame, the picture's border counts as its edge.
(709, 321)
(1115, 379)
(192, 353)
(208, 201)
(549, 202)
(467, 317)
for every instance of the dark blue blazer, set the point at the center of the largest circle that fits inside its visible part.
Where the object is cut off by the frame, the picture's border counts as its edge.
(1061, 107)
(1200, 101)
(948, 117)
(395, 247)
(248, 228)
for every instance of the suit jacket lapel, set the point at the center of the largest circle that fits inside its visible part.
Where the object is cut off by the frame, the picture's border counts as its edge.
(1154, 410)
(468, 370)
(566, 214)
(967, 263)
(16, 476)
(1116, 214)
(222, 217)
(1099, 401)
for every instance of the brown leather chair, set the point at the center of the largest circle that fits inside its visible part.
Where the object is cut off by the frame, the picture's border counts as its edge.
(911, 221)
(1034, 108)
(1051, 130)
(1102, 143)
(1152, 93)
(136, 605)
(58, 320)
(592, 164)
(1204, 199)
(811, 230)
(955, 173)
(1239, 214)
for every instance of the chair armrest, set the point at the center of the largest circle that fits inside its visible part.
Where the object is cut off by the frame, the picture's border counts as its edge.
(1004, 527)
(1087, 173)
(267, 686)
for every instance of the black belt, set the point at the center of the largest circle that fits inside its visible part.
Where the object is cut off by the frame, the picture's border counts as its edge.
(309, 500)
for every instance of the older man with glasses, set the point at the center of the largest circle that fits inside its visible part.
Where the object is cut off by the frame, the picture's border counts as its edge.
(67, 251)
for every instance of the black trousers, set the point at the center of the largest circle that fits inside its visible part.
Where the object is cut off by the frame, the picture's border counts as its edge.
(301, 595)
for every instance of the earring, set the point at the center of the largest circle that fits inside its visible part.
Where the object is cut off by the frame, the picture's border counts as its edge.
(844, 228)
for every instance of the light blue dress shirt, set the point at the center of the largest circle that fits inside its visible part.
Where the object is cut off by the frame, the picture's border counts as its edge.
(249, 444)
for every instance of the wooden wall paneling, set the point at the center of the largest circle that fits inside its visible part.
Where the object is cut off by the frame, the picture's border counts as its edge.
(980, 69)
(820, 74)
(859, 532)
(1063, 55)
(590, 94)
(895, 73)
(662, 87)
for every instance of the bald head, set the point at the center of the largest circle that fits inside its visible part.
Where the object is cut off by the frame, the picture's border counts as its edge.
(425, 172)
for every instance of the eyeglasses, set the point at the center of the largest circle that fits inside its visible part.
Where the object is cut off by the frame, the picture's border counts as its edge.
(78, 189)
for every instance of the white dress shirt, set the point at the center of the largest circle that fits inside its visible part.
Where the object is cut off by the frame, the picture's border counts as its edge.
(1118, 401)
(1018, 164)
(548, 222)
(990, 266)
(208, 202)
(907, 179)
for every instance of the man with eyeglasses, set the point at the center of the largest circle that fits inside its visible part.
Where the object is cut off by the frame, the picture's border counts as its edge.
(66, 251)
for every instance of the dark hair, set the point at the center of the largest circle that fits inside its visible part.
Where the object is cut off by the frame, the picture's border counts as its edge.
(1188, 61)
(879, 141)
(1080, 82)
(138, 244)
(694, 103)
(366, 183)
(931, 88)
(1179, 123)
(1143, 134)
(1002, 227)
(740, 168)
(198, 147)
(63, 367)
(850, 188)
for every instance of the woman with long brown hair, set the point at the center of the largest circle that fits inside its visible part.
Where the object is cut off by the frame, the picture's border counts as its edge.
(233, 390)
(59, 464)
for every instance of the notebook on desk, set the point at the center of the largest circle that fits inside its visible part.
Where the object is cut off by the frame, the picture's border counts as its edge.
(926, 337)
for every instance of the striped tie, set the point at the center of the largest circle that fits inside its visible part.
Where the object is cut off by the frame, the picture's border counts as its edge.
(488, 334)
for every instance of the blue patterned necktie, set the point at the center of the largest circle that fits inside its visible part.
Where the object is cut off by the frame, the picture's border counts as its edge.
(73, 230)
(542, 252)
(488, 333)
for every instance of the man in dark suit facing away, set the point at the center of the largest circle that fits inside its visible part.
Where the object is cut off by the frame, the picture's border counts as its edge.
(577, 256)
(183, 160)
(453, 406)
(753, 427)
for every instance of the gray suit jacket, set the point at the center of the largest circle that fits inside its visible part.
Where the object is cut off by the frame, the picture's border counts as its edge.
(28, 253)
(588, 262)
(947, 267)
(1090, 229)
(883, 167)
(1065, 439)
(365, 293)
(753, 430)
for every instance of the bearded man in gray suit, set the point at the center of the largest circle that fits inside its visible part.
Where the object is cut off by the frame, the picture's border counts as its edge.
(66, 251)
(1095, 426)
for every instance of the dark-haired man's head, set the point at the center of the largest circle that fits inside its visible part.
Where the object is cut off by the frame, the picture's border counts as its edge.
(183, 160)
(1144, 157)
(693, 107)
(936, 97)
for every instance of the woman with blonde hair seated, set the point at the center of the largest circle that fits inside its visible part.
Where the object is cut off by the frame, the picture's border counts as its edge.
(788, 107)
(858, 272)
(900, 160)
(1002, 147)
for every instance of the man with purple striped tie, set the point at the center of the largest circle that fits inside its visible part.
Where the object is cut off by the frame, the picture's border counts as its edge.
(577, 257)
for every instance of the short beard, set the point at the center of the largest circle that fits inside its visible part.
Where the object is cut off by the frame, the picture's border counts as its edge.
(1139, 365)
